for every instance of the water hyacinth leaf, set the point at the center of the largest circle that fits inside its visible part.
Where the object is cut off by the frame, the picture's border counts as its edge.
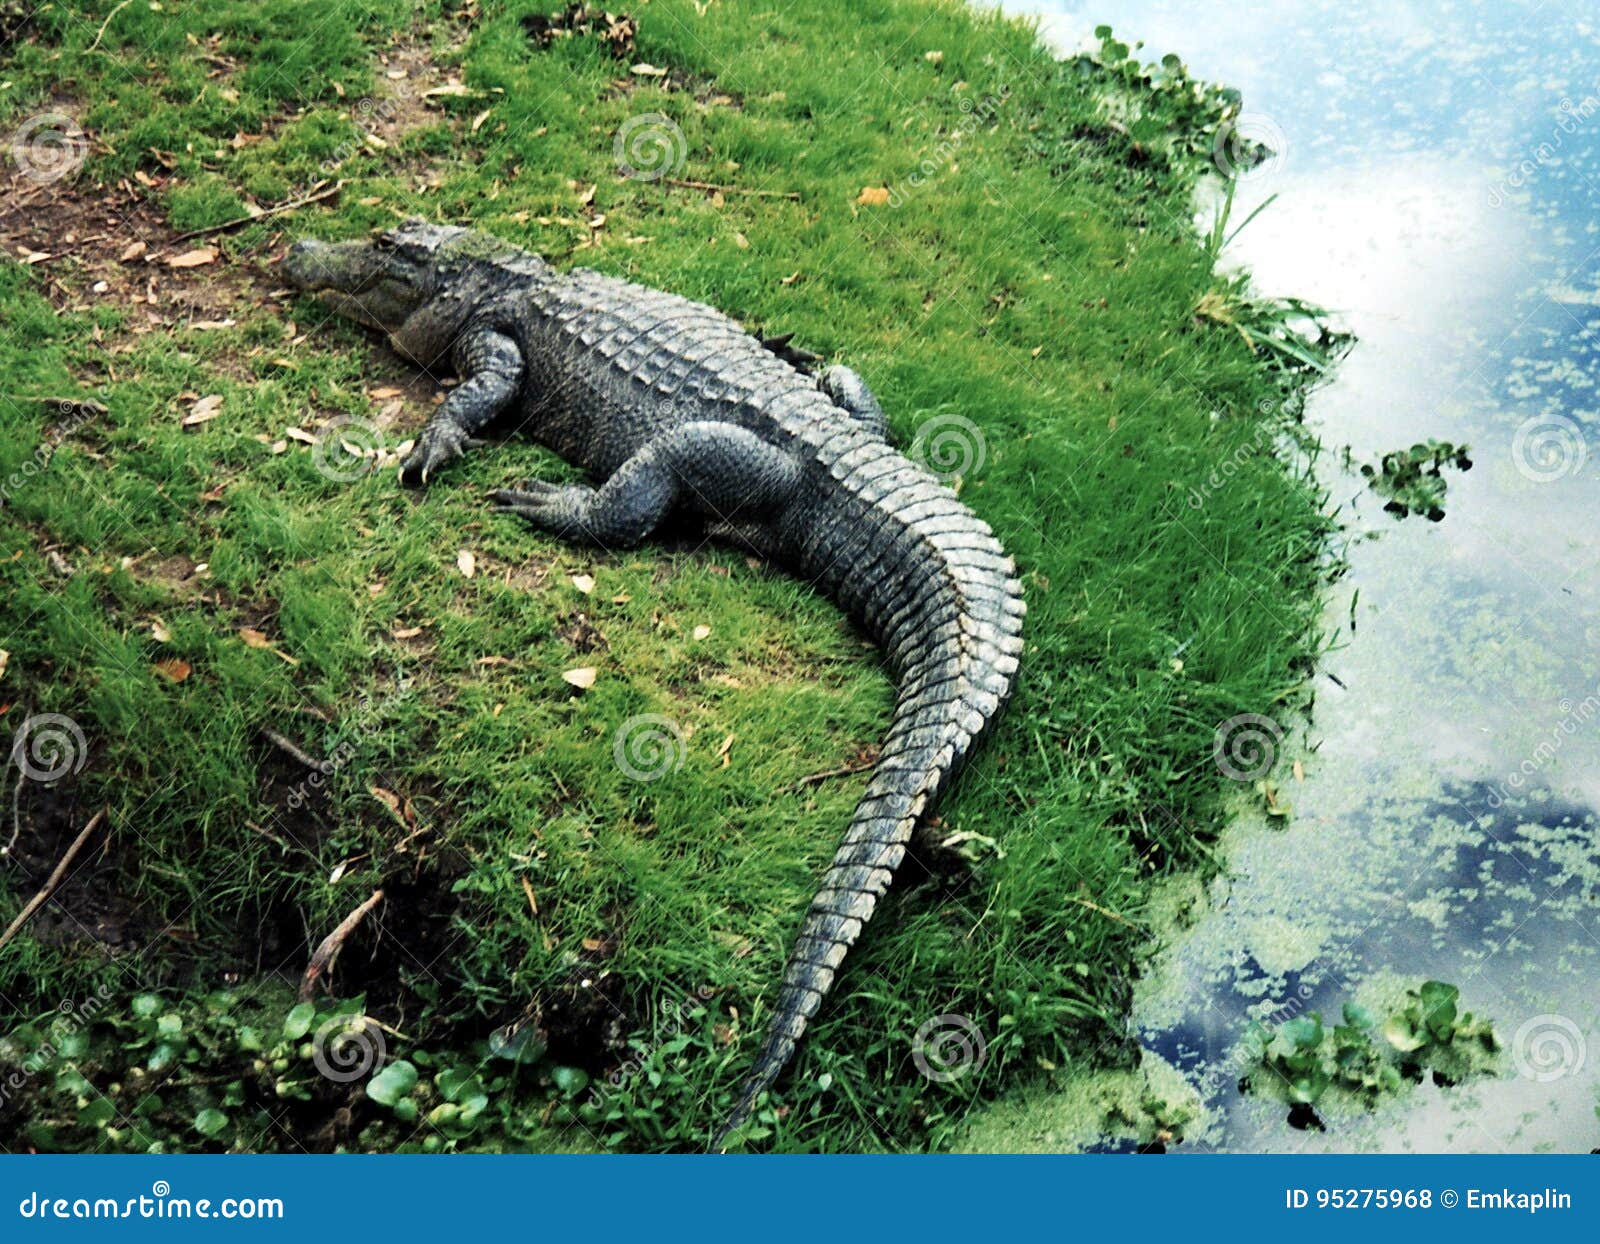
(298, 1021)
(1398, 1032)
(393, 1083)
(210, 1122)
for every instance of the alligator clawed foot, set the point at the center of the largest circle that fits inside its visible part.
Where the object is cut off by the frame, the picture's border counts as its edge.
(550, 507)
(438, 445)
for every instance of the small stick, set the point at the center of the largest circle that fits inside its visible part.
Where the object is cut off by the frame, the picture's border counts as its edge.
(707, 185)
(266, 213)
(326, 953)
(1104, 911)
(101, 33)
(811, 779)
(290, 747)
(49, 887)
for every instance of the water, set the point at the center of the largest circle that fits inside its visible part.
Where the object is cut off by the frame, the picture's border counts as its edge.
(1438, 181)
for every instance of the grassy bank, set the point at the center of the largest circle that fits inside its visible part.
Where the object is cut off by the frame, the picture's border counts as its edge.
(203, 577)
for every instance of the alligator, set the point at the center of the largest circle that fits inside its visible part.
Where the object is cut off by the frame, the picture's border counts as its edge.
(672, 408)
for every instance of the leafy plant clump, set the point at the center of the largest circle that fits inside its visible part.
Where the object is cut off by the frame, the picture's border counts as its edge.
(1413, 480)
(1301, 1060)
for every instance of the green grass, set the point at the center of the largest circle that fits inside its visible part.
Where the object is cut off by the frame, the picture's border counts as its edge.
(1041, 278)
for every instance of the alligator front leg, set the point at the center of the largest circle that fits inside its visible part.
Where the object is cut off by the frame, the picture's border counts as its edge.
(849, 392)
(718, 469)
(491, 369)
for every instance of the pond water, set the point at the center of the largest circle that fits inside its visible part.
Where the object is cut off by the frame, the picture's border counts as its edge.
(1438, 184)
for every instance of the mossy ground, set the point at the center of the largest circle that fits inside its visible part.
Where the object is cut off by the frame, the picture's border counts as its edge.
(178, 590)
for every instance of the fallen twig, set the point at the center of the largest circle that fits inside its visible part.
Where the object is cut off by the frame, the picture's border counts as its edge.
(750, 190)
(49, 887)
(1104, 911)
(326, 953)
(278, 209)
(811, 779)
(291, 748)
(101, 33)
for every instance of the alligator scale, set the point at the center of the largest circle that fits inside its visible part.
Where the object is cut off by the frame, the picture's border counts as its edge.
(671, 406)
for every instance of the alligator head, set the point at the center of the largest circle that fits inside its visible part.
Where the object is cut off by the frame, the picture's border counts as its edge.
(417, 282)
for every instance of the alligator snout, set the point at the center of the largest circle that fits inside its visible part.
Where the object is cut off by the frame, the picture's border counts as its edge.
(300, 266)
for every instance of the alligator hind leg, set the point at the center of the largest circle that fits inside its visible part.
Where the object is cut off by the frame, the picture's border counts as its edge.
(849, 392)
(720, 470)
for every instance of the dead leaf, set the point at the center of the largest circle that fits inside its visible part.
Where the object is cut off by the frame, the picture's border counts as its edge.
(253, 638)
(790, 279)
(702, 632)
(203, 411)
(467, 563)
(134, 250)
(406, 632)
(5, 659)
(582, 678)
(206, 326)
(873, 196)
(583, 582)
(646, 70)
(477, 121)
(1299, 771)
(193, 259)
(301, 435)
(174, 669)
(159, 632)
(387, 392)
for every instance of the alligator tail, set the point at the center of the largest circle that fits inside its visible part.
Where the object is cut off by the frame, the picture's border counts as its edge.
(949, 614)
